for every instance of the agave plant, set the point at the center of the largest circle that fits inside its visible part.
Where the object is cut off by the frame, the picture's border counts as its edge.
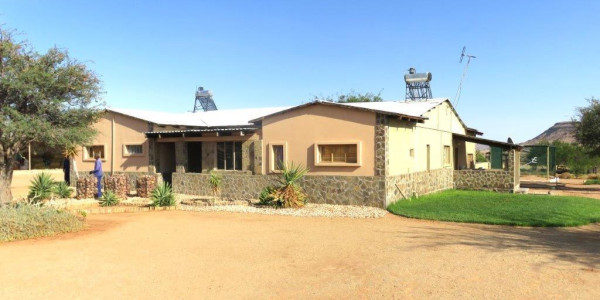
(70, 151)
(108, 199)
(289, 194)
(40, 188)
(162, 195)
(215, 181)
(62, 190)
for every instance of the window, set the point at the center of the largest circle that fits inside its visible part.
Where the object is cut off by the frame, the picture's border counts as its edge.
(133, 150)
(411, 152)
(229, 155)
(334, 154)
(447, 160)
(277, 156)
(89, 152)
(470, 162)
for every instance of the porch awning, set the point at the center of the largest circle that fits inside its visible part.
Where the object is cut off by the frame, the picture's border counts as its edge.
(472, 139)
(196, 132)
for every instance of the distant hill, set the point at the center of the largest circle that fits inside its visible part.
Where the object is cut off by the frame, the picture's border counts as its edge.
(561, 131)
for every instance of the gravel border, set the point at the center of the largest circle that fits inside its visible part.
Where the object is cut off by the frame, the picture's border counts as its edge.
(310, 210)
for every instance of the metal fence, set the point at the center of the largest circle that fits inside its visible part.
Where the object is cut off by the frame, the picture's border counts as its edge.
(538, 160)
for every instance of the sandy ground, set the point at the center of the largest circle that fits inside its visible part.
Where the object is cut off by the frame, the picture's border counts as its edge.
(22, 178)
(195, 255)
(565, 187)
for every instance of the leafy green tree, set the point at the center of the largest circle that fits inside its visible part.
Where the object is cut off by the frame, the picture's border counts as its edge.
(587, 126)
(353, 96)
(47, 98)
(479, 157)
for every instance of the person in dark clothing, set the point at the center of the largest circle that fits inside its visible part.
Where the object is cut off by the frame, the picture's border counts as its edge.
(67, 170)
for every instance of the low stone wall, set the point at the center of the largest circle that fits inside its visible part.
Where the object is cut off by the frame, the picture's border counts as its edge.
(349, 190)
(419, 183)
(492, 180)
(131, 177)
(233, 186)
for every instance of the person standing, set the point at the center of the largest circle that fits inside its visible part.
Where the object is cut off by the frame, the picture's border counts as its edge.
(98, 173)
(67, 170)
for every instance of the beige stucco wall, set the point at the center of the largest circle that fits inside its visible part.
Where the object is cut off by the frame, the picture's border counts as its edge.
(127, 131)
(301, 128)
(436, 132)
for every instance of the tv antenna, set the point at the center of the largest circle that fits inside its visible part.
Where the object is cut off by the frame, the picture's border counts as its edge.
(462, 56)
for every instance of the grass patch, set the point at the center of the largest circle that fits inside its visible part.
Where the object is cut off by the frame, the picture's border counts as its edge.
(29, 221)
(592, 181)
(501, 209)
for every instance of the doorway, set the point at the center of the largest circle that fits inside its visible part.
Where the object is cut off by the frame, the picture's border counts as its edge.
(166, 155)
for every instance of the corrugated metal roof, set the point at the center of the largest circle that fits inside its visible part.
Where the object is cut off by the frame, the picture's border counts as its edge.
(213, 129)
(215, 118)
(407, 108)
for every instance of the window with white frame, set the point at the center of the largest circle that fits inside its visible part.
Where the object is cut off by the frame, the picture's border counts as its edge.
(90, 152)
(133, 150)
(277, 156)
(337, 154)
(447, 155)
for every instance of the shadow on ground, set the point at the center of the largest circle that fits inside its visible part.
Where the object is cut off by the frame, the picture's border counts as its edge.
(579, 245)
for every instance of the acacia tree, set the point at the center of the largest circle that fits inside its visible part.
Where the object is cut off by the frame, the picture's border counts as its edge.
(587, 126)
(47, 98)
(353, 96)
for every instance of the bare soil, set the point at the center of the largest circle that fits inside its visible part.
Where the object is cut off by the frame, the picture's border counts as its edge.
(196, 255)
(565, 187)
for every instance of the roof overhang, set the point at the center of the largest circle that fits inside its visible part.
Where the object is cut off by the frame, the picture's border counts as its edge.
(474, 131)
(472, 139)
(198, 131)
(328, 103)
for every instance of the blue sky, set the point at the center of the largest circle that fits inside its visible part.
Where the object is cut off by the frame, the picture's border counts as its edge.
(536, 60)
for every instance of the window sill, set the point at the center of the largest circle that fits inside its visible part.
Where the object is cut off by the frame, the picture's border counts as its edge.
(321, 164)
(134, 155)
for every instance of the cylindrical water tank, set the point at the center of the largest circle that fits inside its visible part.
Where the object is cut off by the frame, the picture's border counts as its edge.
(417, 77)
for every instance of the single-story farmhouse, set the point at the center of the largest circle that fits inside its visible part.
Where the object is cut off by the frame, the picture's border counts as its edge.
(369, 153)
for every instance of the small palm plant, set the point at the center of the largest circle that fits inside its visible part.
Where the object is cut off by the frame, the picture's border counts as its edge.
(70, 151)
(163, 195)
(108, 199)
(62, 190)
(290, 195)
(40, 188)
(215, 181)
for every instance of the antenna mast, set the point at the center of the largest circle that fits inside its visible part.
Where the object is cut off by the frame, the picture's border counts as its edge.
(462, 55)
(204, 100)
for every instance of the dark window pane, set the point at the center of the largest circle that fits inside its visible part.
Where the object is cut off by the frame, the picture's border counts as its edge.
(220, 156)
(277, 157)
(228, 155)
(238, 155)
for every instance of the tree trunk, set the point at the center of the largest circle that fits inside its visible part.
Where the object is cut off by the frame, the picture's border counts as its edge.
(6, 173)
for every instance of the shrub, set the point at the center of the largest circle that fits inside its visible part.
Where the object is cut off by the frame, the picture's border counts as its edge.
(108, 199)
(592, 181)
(29, 221)
(215, 181)
(162, 195)
(565, 175)
(40, 188)
(267, 195)
(593, 176)
(62, 190)
(289, 194)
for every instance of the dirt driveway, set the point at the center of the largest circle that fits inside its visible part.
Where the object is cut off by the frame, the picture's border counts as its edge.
(194, 255)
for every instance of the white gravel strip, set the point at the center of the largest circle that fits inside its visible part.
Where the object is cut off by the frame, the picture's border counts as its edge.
(310, 210)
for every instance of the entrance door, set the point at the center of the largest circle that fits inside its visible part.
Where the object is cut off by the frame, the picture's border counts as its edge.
(166, 155)
(194, 157)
